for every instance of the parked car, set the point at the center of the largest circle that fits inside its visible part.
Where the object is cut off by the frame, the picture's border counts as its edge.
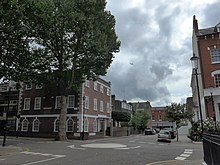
(149, 131)
(172, 132)
(164, 135)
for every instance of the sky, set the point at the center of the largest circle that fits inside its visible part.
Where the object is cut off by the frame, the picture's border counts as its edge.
(156, 46)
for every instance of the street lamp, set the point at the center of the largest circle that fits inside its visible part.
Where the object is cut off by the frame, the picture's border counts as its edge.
(213, 108)
(195, 61)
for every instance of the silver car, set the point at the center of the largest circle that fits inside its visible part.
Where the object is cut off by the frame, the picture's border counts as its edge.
(164, 135)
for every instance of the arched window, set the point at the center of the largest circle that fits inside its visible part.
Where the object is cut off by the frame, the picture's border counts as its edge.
(35, 125)
(95, 125)
(24, 125)
(56, 125)
(70, 125)
(86, 125)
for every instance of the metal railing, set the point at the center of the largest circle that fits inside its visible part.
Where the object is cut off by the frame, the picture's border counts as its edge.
(211, 148)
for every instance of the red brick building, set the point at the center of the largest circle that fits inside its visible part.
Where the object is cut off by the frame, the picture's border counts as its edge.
(206, 46)
(88, 111)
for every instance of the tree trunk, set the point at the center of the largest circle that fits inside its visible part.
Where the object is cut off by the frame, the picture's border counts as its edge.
(62, 124)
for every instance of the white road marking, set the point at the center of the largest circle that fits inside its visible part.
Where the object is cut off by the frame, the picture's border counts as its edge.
(40, 161)
(184, 155)
(180, 158)
(187, 153)
(73, 147)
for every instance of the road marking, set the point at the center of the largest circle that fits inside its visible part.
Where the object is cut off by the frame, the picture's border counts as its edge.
(159, 162)
(2, 159)
(180, 158)
(187, 153)
(40, 161)
(73, 147)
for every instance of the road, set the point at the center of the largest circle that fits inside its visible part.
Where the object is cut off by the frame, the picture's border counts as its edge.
(130, 150)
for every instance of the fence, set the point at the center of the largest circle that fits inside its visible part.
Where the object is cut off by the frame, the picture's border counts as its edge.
(211, 148)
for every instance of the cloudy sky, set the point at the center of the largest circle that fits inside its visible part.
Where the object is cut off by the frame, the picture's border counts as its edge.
(154, 59)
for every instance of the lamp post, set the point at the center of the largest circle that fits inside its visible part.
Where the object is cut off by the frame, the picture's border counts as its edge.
(213, 108)
(194, 61)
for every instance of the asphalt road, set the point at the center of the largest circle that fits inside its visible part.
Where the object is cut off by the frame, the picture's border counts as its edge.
(131, 150)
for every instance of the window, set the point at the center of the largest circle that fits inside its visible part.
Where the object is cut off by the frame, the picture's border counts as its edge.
(56, 125)
(86, 125)
(87, 83)
(71, 101)
(153, 118)
(35, 126)
(160, 117)
(28, 86)
(39, 86)
(101, 89)
(24, 125)
(58, 102)
(27, 103)
(108, 92)
(95, 125)
(37, 103)
(101, 106)
(70, 125)
(86, 102)
(108, 107)
(95, 104)
(217, 80)
(95, 86)
(215, 55)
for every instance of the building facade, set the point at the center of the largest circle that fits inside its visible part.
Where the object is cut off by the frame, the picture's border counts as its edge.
(37, 110)
(143, 106)
(159, 119)
(206, 46)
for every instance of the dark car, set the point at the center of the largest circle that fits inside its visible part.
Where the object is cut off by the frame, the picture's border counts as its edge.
(149, 131)
(172, 132)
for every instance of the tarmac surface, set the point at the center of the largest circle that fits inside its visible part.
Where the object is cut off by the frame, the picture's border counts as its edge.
(10, 150)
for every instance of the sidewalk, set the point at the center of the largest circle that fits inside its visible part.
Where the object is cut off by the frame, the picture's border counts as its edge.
(10, 150)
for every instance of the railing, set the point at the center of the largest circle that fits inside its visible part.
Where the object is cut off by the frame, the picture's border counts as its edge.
(211, 148)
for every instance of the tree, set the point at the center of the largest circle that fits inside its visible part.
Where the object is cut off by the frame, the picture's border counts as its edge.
(68, 41)
(176, 113)
(140, 120)
(121, 116)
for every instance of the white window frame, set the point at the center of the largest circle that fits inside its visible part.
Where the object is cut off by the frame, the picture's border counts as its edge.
(215, 55)
(101, 106)
(87, 83)
(68, 101)
(70, 126)
(86, 125)
(95, 125)
(36, 125)
(24, 125)
(37, 103)
(86, 102)
(56, 125)
(58, 102)
(28, 86)
(38, 86)
(101, 88)
(108, 92)
(95, 104)
(95, 85)
(27, 103)
(108, 107)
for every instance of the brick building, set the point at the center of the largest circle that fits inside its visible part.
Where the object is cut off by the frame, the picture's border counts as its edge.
(88, 110)
(159, 119)
(206, 46)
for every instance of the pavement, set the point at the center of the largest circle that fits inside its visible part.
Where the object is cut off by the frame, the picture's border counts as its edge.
(11, 149)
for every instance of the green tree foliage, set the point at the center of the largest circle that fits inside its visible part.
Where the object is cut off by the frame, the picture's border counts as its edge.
(176, 113)
(140, 120)
(59, 41)
(121, 116)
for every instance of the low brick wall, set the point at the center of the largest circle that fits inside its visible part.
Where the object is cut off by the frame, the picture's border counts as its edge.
(121, 131)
